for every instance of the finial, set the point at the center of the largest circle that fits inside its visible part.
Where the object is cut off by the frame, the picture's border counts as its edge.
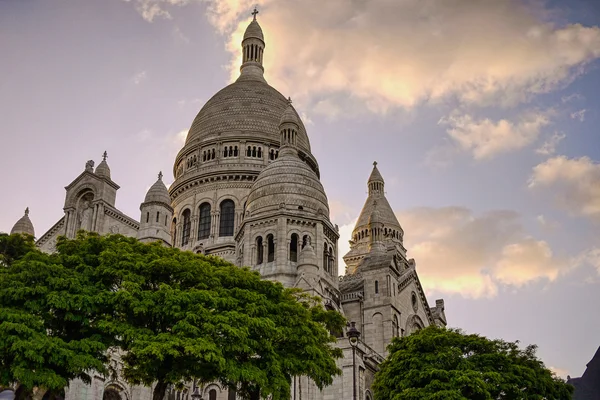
(27, 211)
(289, 100)
(374, 163)
(160, 175)
(104, 155)
(254, 13)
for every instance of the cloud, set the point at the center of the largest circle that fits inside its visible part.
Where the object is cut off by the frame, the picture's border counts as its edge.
(572, 97)
(473, 255)
(486, 138)
(549, 146)
(343, 244)
(153, 9)
(589, 257)
(580, 115)
(139, 77)
(574, 183)
(405, 53)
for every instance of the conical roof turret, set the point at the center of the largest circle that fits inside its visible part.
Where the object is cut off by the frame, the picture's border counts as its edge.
(158, 192)
(24, 225)
(103, 170)
(377, 209)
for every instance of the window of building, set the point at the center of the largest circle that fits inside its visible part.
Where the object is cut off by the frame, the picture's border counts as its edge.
(259, 250)
(147, 217)
(294, 248)
(174, 230)
(325, 257)
(157, 216)
(187, 226)
(270, 248)
(376, 287)
(227, 218)
(204, 223)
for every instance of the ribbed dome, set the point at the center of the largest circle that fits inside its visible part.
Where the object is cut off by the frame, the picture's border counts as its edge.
(24, 225)
(158, 192)
(290, 115)
(254, 31)
(287, 182)
(103, 170)
(250, 107)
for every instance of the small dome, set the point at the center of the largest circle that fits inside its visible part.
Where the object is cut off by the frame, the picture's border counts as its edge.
(254, 31)
(290, 115)
(24, 225)
(158, 193)
(307, 256)
(289, 183)
(103, 170)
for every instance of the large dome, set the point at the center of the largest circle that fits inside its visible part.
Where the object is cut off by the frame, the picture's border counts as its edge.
(287, 183)
(249, 107)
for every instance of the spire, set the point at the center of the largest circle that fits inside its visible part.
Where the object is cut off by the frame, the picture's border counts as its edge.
(103, 170)
(160, 175)
(253, 46)
(375, 182)
(24, 225)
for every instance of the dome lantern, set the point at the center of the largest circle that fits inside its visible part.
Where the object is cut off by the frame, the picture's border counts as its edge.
(103, 170)
(253, 46)
(289, 125)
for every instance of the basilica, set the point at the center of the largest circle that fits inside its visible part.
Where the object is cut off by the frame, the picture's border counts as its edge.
(247, 189)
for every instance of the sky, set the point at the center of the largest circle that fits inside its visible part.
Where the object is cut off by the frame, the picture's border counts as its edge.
(482, 116)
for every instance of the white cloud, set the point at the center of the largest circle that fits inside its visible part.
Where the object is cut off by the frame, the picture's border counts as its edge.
(472, 255)
(589, 257)
(139, 77)
(575, 183)
(549, 146)
(572, 97)
(486, 138)
(152, 9)
(343, 244)
(580, 115)
(404, 53)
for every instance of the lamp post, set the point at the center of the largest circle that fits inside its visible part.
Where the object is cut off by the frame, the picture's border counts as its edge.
(353, 337)
(196, 395)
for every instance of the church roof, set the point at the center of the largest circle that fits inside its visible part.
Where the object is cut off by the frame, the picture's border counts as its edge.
(289, 183)
(254, 31)
(290, 115)
(24, 225)
(377, 202)
(158, 192)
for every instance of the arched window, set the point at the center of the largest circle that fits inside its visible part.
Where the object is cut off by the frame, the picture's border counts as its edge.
(395, 327)
(259, 154)
(249, 152)
(330, 260)
(204, 223)
(157, 215)
(213, 154)
(187, 225)
(254, 151)
(270, 248)
(225, 152)
(227, 218)
(174, 230)
(147, 217)
(259, 250)
(212, 395)
(376, 287)
(325, 258)
(235, 150)
(294, 248)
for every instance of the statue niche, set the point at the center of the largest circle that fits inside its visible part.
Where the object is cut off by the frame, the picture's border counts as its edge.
(85, 212)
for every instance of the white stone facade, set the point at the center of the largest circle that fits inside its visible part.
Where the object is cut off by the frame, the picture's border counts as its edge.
(247, 189)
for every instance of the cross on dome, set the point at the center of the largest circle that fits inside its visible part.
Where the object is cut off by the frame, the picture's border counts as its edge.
(254, 13)
(289, 101)
(160, 175)
(374, 163)
(104, 155)
(27, 211)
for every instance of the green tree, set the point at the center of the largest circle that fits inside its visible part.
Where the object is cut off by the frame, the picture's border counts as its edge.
(438, 363)
(181, 316)
(48, 314)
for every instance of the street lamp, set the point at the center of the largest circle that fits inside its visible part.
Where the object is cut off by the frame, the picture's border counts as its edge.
(196, 395)
(353, 337)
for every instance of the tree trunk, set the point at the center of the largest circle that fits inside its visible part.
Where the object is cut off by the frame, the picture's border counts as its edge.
(255, 394)
(38, 393)
(22, 393)
(159, 390)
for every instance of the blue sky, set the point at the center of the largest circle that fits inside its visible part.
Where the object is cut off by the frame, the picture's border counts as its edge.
(482, 116)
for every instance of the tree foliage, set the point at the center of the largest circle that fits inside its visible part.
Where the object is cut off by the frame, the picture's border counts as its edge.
(176, 315)
(439, 363)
